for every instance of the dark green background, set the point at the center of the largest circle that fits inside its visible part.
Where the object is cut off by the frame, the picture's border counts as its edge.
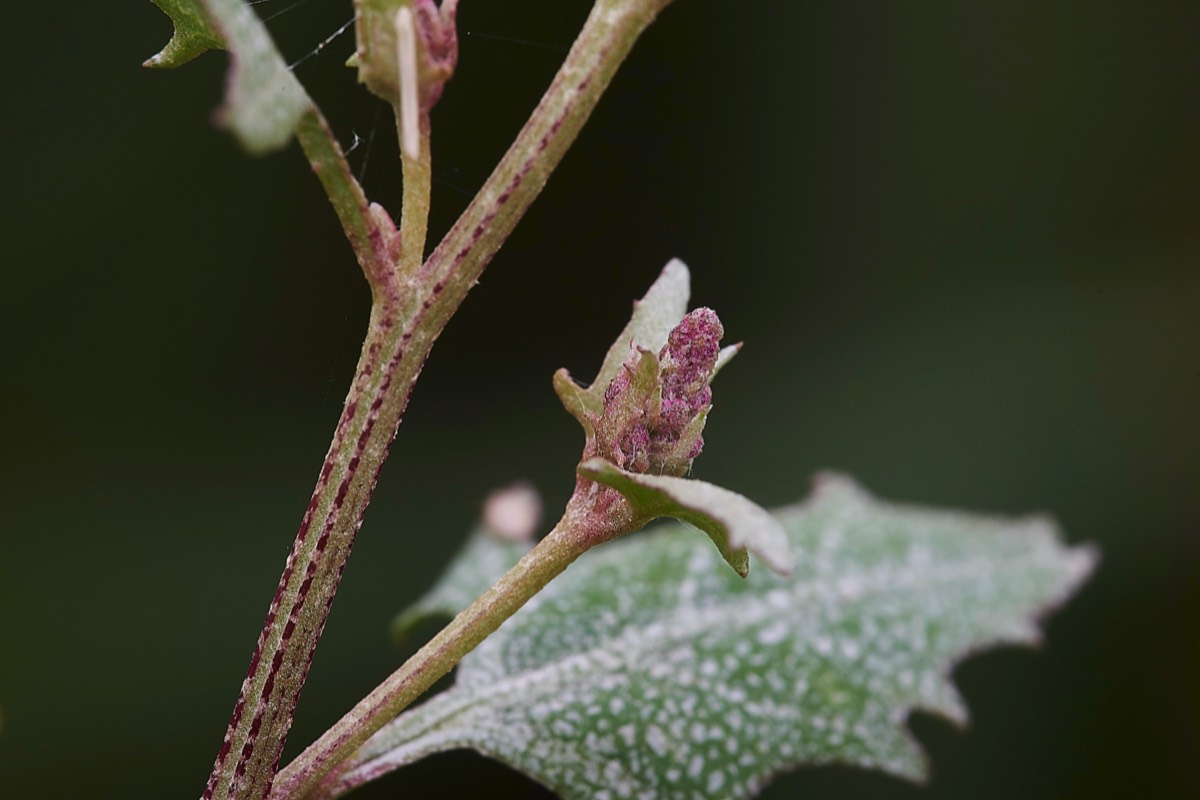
(960, 239)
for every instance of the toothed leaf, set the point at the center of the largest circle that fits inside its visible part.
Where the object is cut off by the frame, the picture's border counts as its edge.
(645, 671)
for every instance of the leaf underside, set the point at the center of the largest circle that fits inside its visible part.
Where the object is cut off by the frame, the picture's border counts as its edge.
(648, 671)
(734, 523)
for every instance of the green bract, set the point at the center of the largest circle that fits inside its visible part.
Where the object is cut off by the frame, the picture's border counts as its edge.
(643, 417)
(734, 523)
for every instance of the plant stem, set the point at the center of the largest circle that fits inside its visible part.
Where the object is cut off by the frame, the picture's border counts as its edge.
(411, 306)
(608, 35)
(595, 514)
(279, 666)
(545, 561)
(414, 213)
(370, 234)
(386, 371)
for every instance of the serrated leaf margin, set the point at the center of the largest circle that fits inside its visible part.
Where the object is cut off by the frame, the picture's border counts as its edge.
(1034, 543)
(263, 100)
(193, 34)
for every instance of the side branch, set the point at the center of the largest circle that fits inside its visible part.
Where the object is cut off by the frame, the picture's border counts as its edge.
(610, 32)
(387, 369)
(303, 778)
(254, 741)
(412, 304)
(367, 226)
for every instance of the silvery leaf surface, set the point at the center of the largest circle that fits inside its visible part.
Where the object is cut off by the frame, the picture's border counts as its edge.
(645, 671)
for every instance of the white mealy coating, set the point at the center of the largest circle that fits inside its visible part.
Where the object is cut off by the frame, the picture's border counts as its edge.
(650, 670)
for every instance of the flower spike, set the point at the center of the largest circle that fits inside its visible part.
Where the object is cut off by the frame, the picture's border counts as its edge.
(643, 419)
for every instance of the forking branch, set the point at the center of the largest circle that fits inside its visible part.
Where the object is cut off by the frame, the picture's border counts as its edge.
(412, 298)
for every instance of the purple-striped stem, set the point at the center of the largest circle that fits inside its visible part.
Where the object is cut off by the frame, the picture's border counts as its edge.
(594, 515)
(412, 302)
(387, 368)
(607, 36)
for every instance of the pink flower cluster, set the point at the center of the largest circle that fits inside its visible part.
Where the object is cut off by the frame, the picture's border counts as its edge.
(662, 434)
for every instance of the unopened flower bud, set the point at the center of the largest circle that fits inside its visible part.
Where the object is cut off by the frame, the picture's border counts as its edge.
(688, 359)
(432, 30)
(655, 407)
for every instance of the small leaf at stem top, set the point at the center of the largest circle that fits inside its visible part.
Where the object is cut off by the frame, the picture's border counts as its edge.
(653, 318)
(646, 410)
(644, 417)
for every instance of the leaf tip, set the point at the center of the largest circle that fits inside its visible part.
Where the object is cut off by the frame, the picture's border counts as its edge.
(725, 355)
(1083, 560)
(1077, 564)
(739, 560)
(596, 469)
(192, 35)
(576, 400)
(677, 271)
(671, 290)
(736, 524)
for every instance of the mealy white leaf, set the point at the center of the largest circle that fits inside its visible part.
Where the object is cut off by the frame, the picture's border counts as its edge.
(646, 671)
(264, 101)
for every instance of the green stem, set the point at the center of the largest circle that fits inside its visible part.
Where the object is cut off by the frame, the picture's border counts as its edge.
(549, 558)
(387, 369)
(414, 213)
(370, 233)
(594, 515)
(610, 32)
(297, 615)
